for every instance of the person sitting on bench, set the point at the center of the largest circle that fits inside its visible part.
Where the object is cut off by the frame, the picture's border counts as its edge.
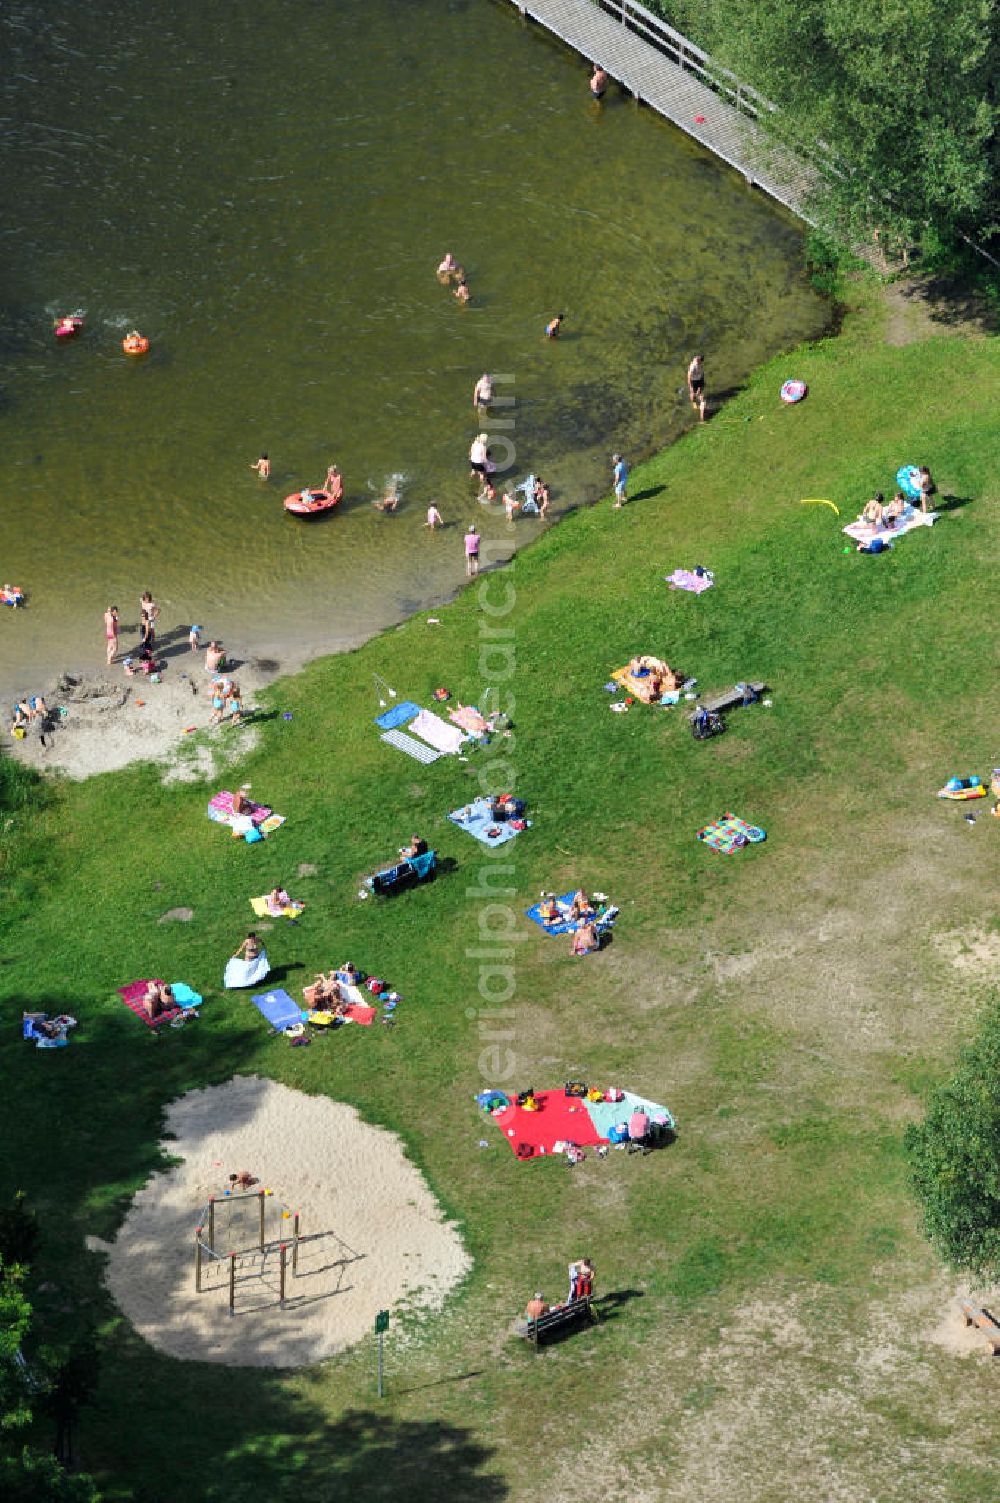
(536, 1306)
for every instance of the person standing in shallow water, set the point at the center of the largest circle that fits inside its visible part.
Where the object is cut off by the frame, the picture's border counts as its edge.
(472, 553)
(483, 394)
(111, 632)
(696, 385)
(263, 467)
(553, 326)
(598, 82)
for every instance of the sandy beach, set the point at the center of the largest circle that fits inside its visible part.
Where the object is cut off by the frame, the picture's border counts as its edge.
(373, 1236)
(103, 719)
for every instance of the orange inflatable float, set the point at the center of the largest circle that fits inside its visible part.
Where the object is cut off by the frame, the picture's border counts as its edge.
(135, 343)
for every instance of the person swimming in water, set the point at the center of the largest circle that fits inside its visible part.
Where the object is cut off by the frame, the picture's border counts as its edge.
(462, 292)
(448, 268)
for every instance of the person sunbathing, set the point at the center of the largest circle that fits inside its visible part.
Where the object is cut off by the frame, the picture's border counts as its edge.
(416, 847)
(241, 804)
(277, 901)
(873, 510)
(581, 907)
(894, 510)
(158, 1000)
(586, 939)
(549, 911)
(350, 973)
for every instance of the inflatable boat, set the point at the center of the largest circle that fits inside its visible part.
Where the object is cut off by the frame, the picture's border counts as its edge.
(310, 503)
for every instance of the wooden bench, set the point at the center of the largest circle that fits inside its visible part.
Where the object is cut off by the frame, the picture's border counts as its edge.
(561, 1319)
(728, 699)
(987, 1323)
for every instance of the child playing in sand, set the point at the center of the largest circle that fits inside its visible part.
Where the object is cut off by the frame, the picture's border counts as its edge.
(194, 638)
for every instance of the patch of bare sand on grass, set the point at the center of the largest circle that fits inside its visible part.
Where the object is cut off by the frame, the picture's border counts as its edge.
(373, 1234)
(792, 1396)
(971, 951)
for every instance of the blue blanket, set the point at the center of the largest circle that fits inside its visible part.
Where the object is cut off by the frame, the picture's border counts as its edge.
(607, 1114)
(565, 924)
(397, 715)
(278, 1008)
(477, 820)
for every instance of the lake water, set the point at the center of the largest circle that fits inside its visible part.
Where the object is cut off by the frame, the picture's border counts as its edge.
(265, 191)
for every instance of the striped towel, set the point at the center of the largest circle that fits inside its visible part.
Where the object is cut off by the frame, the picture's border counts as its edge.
(408, 744)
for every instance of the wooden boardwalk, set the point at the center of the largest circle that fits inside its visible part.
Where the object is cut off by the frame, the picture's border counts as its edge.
(664, 70)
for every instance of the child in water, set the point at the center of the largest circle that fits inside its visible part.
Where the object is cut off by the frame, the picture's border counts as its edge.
(263, 467)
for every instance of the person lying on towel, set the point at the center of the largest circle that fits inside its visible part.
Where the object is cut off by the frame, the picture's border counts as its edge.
(416, 847)
(158, 1000)
(585, 939)
(278, 901)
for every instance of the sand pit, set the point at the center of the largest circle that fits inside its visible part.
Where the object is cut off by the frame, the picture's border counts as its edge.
(373, 1236)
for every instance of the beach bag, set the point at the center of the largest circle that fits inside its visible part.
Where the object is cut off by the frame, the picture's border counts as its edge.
(618, 1133)
(253, 835)
(376, 987)
(576, 1088)
(524, 1151)
(614, 1093)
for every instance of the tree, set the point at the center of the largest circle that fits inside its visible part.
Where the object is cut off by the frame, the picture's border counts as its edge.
(954, 1157)
(902, 92)
(28, 1476)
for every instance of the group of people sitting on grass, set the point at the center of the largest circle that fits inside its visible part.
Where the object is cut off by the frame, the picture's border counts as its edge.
(581, 912)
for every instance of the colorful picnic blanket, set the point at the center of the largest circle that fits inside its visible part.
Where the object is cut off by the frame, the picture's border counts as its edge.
(603, 917)
(132, 996)
(686, 579)
(476, 819)
(397, 715)
(220, 808)
(563, 1119)
(912, 516)
(640, 685)
(437, 733)
(729, 833)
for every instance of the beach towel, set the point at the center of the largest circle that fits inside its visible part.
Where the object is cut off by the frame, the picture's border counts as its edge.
(132, 996)
(469, 718)
(560, 1119)
(240, 973)
(359, 1012)
(186, 997)
(220, 808)
(271, 823)
(912, 516)
(260, 908)
(640, 685)
(729, 833)
(438, 733)
(685, 579)
(32, 1031)
(603, 918)
(404, 743)
(608, 1114)
(277, 1008)
(397, 715)
(476, 819)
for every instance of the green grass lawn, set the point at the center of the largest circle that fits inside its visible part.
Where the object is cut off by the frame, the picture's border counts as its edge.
(773, 1331)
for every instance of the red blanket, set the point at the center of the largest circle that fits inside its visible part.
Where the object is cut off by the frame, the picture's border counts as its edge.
(132, 996)
(560, 1117)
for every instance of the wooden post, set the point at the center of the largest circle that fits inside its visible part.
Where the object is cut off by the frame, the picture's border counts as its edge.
(261, 1198)
(281, 1287)
(295, 1246)
(232, 1283)
(211, 1223)
(197, 1260)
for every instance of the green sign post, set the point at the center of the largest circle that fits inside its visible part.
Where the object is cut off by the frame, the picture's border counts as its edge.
(381, 1326)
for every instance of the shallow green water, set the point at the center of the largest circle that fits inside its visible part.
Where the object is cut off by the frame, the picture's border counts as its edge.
(265, 190)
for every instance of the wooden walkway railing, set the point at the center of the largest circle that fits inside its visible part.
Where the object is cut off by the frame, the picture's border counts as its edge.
(663, 69)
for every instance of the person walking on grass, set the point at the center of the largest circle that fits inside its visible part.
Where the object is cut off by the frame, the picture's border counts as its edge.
(472, 552)
(696, 385)
(111, 632)
(620, 480)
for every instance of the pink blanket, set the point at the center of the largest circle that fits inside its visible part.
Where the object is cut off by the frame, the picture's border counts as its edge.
(220, 808)
(685, 579)
(132, 996)
(437, 732)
